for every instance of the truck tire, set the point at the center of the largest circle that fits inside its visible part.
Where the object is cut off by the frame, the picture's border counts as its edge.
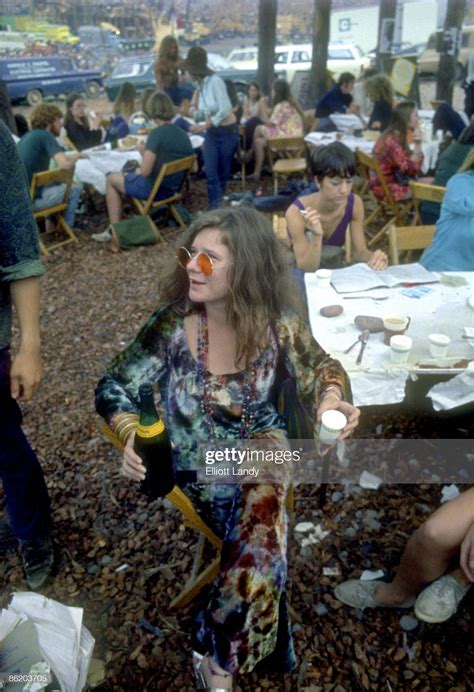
(92, 90)
(34, 97)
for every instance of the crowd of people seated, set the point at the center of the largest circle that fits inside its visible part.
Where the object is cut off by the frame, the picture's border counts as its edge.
(229, 313)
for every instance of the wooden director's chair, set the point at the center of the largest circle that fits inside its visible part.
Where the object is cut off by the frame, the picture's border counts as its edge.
(53, 177)
(145, 207)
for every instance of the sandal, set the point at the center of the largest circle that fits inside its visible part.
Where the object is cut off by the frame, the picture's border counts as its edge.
(203, 671)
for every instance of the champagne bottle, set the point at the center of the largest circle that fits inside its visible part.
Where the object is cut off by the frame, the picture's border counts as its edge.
(153, 446)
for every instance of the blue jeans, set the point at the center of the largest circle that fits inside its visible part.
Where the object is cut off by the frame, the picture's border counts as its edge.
(25, 491)
(54, 194)
(219, 148)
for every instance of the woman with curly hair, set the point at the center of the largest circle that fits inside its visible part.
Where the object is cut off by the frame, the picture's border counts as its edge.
(226, 316)
(380, 91)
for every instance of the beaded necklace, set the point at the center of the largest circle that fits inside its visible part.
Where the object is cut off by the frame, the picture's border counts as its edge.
(249, 389)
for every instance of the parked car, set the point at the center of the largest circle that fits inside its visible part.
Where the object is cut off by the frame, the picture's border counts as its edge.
(342, 57)
(139, 71)
(34, 78)
(428, 60)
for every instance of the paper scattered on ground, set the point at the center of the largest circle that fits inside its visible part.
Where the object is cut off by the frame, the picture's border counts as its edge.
(449, 492)
(369, 575)
(369, 481)
(36, 628)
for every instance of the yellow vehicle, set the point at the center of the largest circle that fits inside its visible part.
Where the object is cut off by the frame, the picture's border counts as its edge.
(428, 61)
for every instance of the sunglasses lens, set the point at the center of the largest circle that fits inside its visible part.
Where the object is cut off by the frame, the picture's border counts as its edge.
(183, 257)
(205, 264)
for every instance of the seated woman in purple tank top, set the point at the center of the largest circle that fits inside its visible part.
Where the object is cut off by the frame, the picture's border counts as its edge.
(323, 217)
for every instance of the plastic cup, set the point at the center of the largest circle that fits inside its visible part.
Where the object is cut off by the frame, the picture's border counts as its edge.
(439, 344)
(323, 278)
(400, 347)
(394, 325)
(332, 422)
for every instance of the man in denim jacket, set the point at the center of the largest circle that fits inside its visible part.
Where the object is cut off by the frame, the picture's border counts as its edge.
(25, 490)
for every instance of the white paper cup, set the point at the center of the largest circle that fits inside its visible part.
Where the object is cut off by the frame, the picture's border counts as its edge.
(332, 422)
(323, 277)
(400, 347)
(439, 344)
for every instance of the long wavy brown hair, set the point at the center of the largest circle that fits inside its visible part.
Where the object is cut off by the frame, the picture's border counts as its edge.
(399, 122)
(261, 288)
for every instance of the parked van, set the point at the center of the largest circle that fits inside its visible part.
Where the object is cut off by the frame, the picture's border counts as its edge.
(428, 61)
(34, 78)
(342, 57)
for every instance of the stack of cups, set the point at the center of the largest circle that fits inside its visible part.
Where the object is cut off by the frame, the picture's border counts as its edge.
(400, 347)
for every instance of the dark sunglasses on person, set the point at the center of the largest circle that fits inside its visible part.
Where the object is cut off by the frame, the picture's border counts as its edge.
(203, 260)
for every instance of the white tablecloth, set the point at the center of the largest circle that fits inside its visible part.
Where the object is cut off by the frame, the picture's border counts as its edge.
(376, 380)
(430, 148)
(94, 169)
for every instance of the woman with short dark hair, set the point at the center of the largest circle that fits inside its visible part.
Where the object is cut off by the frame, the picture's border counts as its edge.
(317, 223)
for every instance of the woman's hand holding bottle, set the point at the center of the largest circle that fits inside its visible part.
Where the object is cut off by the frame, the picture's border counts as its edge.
(132, 465)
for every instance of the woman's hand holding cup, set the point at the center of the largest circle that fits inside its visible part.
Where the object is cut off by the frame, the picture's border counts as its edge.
(331, 401)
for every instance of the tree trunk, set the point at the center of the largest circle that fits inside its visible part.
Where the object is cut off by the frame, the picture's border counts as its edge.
(449, 49)
(387, 15)
(321, 28)
(267, 14)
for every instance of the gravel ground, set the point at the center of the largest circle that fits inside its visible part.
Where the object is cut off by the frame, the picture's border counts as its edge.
(93, 303)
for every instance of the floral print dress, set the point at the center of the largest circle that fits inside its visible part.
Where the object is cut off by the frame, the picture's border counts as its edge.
(286, 122)
(246, 620)
(396, 166)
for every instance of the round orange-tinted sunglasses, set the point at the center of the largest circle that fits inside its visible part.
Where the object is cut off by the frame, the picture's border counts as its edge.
(203, 260)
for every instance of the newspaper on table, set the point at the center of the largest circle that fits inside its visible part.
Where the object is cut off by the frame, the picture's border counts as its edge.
(38, 630)
(359, 277)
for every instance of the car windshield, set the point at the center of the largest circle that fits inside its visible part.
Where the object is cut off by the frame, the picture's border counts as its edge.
(131, 69)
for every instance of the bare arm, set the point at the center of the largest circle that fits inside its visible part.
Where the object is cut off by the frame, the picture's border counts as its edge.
(148, 162)
(307, 252)
(376, 260)
(68, 162)
(26, 371)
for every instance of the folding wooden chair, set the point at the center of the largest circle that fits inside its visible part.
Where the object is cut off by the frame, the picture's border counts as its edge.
(408, 238)
(145, 207)
(390, 210)
(291, 153)
(191, 518)
(422, 192)
(53, 177)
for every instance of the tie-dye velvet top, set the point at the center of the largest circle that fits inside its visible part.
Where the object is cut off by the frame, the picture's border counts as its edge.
(160, 355)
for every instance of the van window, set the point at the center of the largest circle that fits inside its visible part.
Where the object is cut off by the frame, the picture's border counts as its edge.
(301, 56)
(66, 65)
(132, 69)
(432, 42)
(339, 54)
(281, 58)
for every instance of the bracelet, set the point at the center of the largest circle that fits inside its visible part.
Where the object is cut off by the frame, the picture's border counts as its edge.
(335, 389)
(123, 424)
